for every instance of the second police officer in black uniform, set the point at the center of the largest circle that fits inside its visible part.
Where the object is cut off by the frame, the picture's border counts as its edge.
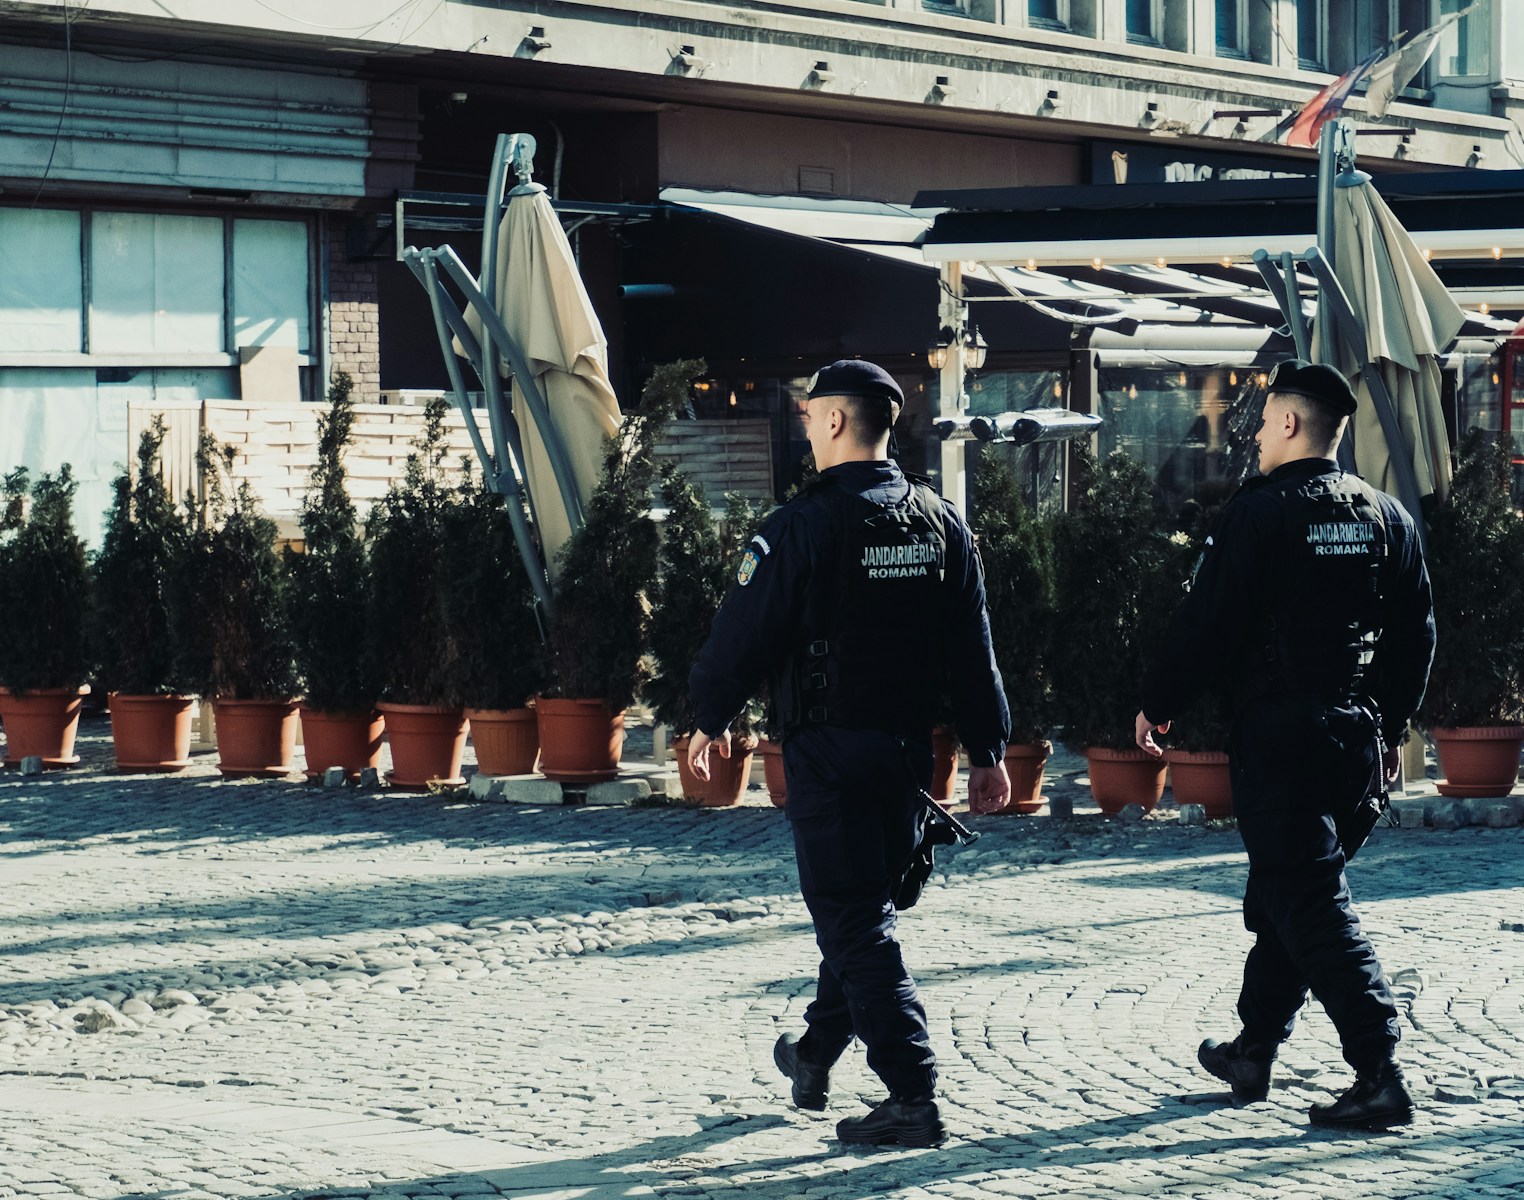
(1310, 612)
(859, 602)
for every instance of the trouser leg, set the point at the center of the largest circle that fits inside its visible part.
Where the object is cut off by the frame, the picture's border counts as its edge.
(1298, 901)
(851, 817)
(829, 1020)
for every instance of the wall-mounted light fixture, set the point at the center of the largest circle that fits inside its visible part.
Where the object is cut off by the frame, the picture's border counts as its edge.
(975, 349)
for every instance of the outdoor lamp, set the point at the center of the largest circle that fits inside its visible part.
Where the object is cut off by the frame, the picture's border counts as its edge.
(936, 353)
(975, 350)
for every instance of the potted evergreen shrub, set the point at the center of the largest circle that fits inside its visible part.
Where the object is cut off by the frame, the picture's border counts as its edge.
(134, 640)
(1475, 701)
(1197, 754)
(606, 570)
(1116, 585)
(416, 652)
(1016, 545)
(329, 593)
(697, 562)
(44, 598)
(231, 601)
(490, 607)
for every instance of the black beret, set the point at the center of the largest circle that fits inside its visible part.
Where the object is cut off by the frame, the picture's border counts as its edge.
(1316, 381)
(855, 377)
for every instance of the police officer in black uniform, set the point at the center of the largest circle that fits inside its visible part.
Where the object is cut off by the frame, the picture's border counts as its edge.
(1310, 612)
(859, 603)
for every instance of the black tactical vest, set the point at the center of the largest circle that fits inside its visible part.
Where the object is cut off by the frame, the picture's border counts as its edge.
(871, 650)
(1325, 611)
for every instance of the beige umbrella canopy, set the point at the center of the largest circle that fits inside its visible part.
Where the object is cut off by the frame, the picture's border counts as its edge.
(1406, 319)
(546, 309)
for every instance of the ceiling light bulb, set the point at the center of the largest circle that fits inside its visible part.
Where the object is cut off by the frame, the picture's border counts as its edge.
(1427, 254)
(1227, 260)
(1486, 308)
(1232, 378)
(1031, 264)
(1097, 263)
(1497, 252)
(1160, 262)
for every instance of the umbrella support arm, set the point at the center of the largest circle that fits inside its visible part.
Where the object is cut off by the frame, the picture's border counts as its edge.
(500, 472)
(492, 324)
(1346, 324)
(1283, 288)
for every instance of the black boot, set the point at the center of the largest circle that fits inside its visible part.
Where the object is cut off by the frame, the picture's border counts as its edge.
(896, 1123)
(1249, 1077)
(812, 1083)
(1377, 1100)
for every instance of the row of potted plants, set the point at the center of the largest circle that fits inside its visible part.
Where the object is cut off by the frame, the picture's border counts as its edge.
(1077, 602)
(418, 622)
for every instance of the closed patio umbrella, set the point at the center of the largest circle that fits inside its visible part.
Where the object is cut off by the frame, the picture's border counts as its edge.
(1403, 319)
(545, 307)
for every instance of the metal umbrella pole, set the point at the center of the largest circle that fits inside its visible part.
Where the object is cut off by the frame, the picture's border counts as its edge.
(503, 469)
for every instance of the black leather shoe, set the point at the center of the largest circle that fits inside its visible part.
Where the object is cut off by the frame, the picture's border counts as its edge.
(1248, 1077)
(812, 1083)
(1377, 1100)
(895, 1123)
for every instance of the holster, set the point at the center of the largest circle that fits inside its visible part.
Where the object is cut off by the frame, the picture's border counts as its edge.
(1354, 821)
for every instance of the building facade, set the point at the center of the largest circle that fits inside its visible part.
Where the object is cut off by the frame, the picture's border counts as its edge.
(205, 201)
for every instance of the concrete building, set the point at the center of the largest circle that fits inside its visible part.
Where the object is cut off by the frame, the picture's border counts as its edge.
(201, 200)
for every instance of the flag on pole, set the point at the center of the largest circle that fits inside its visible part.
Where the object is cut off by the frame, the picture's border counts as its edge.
(1327, 104)
(1396, 71)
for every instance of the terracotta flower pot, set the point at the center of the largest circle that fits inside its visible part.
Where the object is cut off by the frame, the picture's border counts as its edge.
(151, 733)
(42, 723)
(427, 743)
(772, 771)
(1024, 762)
(581, 741)
(1201, 777)
(944, 763)
(255, 737)
(728, 777)
(351, 740)
(1478, 760)
(1122, 777)
(507, 740)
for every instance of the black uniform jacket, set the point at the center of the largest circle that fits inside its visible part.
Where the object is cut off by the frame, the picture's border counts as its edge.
(1216, 637)
(760, 621)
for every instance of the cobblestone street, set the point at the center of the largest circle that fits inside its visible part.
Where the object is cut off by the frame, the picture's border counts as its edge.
(269, 989)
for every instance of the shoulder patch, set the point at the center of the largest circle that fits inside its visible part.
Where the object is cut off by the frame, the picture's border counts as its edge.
(748, 567)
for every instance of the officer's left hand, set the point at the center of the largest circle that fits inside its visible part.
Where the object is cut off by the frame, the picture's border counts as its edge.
(698, 751)
(1143, 734)
(989, 788)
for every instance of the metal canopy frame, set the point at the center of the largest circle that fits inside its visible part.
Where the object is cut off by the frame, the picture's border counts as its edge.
(503, 462)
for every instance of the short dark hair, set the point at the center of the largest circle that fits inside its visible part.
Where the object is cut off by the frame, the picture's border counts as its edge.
(868, 417)
(1323, 425)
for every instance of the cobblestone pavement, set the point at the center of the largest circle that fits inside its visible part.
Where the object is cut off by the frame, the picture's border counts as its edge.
(265, 989)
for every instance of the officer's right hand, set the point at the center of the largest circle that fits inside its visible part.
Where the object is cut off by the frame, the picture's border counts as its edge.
(1143, 734)
(989, 788)
(698, 751)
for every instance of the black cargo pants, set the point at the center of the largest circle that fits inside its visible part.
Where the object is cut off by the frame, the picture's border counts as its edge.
(1292, 760)
(854, 819)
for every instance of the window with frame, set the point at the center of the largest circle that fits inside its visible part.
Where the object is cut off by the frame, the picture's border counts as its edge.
(1311, 22)
(157, 283)
(1464, 47)
(1354, 29)
(1048, 14)
(1144, 21)
(1232, 23)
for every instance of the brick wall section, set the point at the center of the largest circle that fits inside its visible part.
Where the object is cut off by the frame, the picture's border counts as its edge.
(354, 339)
